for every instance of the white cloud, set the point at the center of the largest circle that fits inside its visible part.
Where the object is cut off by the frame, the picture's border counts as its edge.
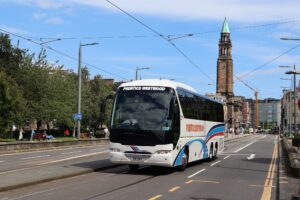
(39, 15)
(45, 4)
(236, 10)
(55, 20)
(14, 30)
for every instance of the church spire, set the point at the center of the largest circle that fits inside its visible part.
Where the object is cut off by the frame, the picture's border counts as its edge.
(225, 27)
(225, 63)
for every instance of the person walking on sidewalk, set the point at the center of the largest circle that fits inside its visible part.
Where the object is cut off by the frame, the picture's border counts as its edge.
(32, 134)
(21, 134)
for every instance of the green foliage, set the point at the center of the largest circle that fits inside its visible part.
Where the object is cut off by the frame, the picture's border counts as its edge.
(7, 140)
(12, 103)
(32, 88)
(297, 136)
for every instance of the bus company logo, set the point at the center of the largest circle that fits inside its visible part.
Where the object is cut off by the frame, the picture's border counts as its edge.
(134, 148)
(194, 128)
(144, 88)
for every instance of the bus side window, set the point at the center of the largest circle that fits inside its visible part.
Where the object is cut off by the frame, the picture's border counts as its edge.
(176, 122)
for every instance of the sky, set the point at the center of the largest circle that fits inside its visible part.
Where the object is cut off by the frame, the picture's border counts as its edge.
(193, 26)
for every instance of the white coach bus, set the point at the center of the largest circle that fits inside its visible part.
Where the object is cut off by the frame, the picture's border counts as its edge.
(164, 123)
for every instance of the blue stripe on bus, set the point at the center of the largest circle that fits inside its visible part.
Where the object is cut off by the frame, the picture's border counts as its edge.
(215, 129)
(181, 153)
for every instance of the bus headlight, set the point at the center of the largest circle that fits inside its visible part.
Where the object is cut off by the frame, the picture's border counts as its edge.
(114, 149)
(163, 151)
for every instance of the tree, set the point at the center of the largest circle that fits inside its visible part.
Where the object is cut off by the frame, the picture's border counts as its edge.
(12, 103)
(97, 91)
(31, 88)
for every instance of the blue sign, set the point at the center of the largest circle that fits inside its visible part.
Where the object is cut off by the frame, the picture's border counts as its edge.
(77, 116)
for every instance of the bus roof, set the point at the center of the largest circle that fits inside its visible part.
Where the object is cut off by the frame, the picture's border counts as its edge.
(165, 83)
(159, 82)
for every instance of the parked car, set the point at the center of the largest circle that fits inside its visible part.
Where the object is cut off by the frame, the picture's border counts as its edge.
(250, 130)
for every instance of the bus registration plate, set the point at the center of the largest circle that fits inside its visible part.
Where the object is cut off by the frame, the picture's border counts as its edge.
(138, 158)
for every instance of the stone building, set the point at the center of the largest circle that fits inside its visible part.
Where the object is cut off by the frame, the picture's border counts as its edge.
(225, 64)
(224, 87)
(287, 110)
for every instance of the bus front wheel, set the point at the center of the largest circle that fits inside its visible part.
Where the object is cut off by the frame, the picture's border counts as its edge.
(184, 162)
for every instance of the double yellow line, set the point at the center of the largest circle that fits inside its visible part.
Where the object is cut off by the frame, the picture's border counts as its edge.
(266, 195)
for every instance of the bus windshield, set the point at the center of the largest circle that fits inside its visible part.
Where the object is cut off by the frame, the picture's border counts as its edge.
(143, 110)
(143, 116)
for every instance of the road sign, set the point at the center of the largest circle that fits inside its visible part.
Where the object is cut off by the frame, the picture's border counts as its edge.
(77, 116)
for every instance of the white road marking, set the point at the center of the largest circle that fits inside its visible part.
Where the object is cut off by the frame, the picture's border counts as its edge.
(1, 161)
(243, 147)
(235, 154)
(215, 163)
(202, 170)
(71, 152)
(33, 157)
(74, 157)
(54, 161)
(42, 150)
(226, 157)
(251, 157)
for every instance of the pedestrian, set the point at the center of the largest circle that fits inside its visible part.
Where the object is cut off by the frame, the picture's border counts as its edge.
(67, 133)
(106, 132)
(21, 134)
(32, 134)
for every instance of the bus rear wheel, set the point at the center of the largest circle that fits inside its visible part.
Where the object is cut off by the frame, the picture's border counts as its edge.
(215, 152)
(133, 167)
(211, 154)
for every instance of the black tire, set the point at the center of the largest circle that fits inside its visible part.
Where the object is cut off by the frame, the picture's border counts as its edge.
(133, 167)
(211, 154)
(215, 153)
(184, 162)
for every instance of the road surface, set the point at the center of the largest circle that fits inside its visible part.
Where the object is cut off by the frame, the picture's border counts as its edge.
(247, 169)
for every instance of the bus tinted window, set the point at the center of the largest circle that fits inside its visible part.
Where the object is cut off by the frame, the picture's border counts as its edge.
(197, 107)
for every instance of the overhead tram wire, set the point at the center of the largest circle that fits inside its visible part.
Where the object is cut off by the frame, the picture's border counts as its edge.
(61, 53)
(169, 35)
(162, 36)
(270, 61)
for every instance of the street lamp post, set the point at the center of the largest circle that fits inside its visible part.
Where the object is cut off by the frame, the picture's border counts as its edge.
(289, 107)
(138, 69)
(294, 72)
(79, 86)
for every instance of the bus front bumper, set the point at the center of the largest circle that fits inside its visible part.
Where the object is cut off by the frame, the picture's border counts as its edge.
(142, 159)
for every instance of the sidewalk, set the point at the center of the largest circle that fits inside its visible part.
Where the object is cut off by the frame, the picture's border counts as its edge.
(289, 168)
(22, 146)
(294, 156)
